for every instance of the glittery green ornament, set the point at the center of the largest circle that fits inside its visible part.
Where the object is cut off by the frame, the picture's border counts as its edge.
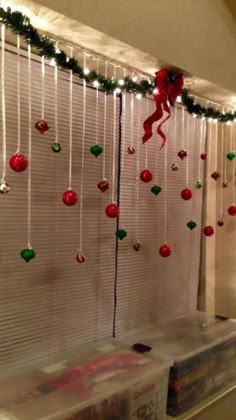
(96, 150)
(156, 189)
(56, 147)
(28, 254)
(230, 156)
(199, 184)
(191, 225)
(121, 234)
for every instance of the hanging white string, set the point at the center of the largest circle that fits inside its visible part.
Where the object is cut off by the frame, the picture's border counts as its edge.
(223, 167)
(137, 204)
(3, 101)
(56, 102)
(233, 170)
(182, 140)
(43, 85)
(82, 162)
(114, 144)
(29, 143)
(97, 92)
(200, 146)
(187, 163)
(70, 123)
(132, 119)
(123, 127)
(18, 97)
(146, 149)
(175, 128)
(165, 188)
(104, 129)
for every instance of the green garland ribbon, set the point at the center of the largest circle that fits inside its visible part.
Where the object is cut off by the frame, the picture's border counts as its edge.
(20, 24)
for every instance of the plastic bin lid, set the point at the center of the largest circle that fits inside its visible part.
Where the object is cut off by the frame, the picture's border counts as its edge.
(61, 386)
(184, 337)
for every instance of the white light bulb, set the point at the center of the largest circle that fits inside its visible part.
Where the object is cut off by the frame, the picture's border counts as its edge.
(155, 91)
(52, 62)
(134, 78)
(179, 99)
(67, 59)
(203, 118)
(194, 115)
(215, 120)
(86, 71)
(57, 50)
(139, 96)
(96, 83)
(121, 82)
(228, 122)
(210, 119)
(117, 90)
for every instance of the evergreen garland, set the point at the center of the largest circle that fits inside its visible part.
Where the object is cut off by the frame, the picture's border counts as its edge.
(20, 24)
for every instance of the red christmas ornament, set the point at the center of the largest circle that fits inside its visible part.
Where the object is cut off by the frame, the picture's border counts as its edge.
(42, 126)
(103, 185)
(208, 231)
(215, 175)
(186, 194)
(131, 150)
(18, 162)
(220, 222)
(146, 176)
(182, 154)
(225, 184)
(232, 210)
(80, 258)
(165, 250)
(70, 197)
(112, 210)
(203, 156)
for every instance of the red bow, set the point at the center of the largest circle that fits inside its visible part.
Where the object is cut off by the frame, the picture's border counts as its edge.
(165, 93)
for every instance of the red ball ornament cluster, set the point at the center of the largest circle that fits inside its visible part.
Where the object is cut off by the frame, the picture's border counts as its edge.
(70, 197)
(146, 176)
(165, 250)
(18, 162)
(186, 194)
(208, 231)
(112, 210)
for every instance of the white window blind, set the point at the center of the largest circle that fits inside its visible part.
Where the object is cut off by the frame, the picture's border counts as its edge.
(53, 302)
(150, 286)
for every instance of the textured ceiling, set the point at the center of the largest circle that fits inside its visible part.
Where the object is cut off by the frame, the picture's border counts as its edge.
(69, 32)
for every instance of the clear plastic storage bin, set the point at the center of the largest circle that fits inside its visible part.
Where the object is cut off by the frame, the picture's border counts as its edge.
(103, 381)
(203, 349)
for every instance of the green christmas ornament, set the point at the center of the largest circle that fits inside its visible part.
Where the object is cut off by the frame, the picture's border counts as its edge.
(199, 184)
(231, 155)
(156, 189)
(191, 225)
(56, 147)
(28, 254)
(137, 246)
(96, 150)
(121, 234)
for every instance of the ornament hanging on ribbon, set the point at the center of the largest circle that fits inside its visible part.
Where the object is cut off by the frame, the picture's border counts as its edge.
(168, 86)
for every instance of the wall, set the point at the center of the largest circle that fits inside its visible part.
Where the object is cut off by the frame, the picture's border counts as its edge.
(193, 35)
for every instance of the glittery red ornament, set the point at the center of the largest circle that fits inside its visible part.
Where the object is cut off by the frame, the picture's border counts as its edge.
(131, 150)
(103, 185)
(18, 162)
(208, 231)
(112, 210)
(42, 126)
(215, 175)
(186, 194)
(182, 154)
(70, 198)
(220, 222)
(146, 175)
(80, 258)
(165, 250)
(232, 210)
(203, 156)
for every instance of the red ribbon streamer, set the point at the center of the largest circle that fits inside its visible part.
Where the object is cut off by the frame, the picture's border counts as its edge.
(165, 92)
